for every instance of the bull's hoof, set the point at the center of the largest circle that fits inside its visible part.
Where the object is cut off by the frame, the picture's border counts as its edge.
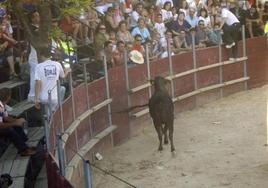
(165, 141)
(160, 148)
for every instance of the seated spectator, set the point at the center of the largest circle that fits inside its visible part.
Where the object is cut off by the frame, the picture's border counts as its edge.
(93, 21)
(164, 44)
(154, 46)
(159, 26)
(201, 34)
(70, 26)
(167, 15)
(136, 14)
(184, 7)
(254, 22)
(152, 13)
(137, 45)
(109, 52)
(205, 17)
(142, 31)
(174, 13)
(118, 55)
(192, 18)
(161, 3)
(181, 31)
(12, 128)
(123, 33)
(118, 15)
(110, 23)
(112, 38)
(127, 8)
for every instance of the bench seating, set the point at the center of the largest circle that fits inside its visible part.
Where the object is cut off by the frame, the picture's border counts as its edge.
(14, 164)
(20, 108)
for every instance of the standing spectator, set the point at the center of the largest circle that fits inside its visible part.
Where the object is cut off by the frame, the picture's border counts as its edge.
(230, 25)
(123, 33)
(47, 73)
(12, 128)
(100, 38)
(108, 52)
(142, 31)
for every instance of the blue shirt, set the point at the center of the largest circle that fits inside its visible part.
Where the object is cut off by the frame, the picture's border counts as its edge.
(193, 21)
(145, 34)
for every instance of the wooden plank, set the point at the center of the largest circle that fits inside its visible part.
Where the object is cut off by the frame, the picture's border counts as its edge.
(12, 84)
(17, 182)
(141, 113)
(236, 81)
(35, 133)
(21, 107)
(209, 66)
(181, 74)
(5, 166)
(10, 153)
(19, 166)
(141, 87)
(76, 123)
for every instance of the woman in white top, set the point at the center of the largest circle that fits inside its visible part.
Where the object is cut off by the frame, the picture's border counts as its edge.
(205, 17)
(184, 7)
(166, 12)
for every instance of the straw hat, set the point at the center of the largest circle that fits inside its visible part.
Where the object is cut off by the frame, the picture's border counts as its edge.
(136, 57)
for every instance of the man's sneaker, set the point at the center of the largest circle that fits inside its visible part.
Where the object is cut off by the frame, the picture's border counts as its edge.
(230, 45)
(27, 152)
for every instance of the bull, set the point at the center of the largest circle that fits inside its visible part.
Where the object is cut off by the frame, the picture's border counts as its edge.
(161, 110)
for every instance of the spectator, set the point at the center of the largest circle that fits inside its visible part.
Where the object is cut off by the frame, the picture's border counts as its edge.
(184, 7)
(230, 25)
(118, 55)
(174, 13)
(159, 26)
(152, 13)
(6, 50)
(136, 14)
(161, 3)
(100, 38)
(126, 7)
(164, 44)
(110, 22)
(180, 30)
(137, 45)
(93, 21)
(205, 17)
(254, 22)
(112, 38)
(70, 26)
(118, 15)
(12, 128)
(264, 13)
(109, 52)
(201, 34)
(47, 73)
(167, 15)
(123, 34)
(142, 31)
(191, 18)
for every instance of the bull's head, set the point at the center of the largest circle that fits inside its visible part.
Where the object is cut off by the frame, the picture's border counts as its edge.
(159, 82)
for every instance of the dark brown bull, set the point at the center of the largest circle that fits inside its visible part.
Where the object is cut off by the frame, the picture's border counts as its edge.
(162, 111)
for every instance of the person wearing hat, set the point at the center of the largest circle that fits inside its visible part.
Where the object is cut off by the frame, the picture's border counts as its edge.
(136, 57)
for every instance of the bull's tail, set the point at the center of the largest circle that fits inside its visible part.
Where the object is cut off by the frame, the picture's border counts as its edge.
(131, 108)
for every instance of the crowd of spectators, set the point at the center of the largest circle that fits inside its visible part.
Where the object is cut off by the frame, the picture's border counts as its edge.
(111, 27)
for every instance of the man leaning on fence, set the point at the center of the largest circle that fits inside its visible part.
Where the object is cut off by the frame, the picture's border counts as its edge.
(47, 73)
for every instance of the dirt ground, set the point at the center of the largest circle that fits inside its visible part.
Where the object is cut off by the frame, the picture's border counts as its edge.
(221, 144)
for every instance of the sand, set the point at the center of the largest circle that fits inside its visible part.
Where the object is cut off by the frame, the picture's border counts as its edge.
(221, 144)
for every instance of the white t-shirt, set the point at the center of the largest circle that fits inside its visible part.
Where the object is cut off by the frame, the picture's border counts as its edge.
(160, 28)
(48, 72)
(229, 17)
(33, 61)
(134, 19)
(166, 15)
(206, 20)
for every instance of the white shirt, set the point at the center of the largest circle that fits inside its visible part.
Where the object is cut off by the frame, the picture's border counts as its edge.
(229, 17)
(134, 19)
(206, 20)
(161, 3)
(160, 28)
(33, 61)
(48, 72)
(166, 15)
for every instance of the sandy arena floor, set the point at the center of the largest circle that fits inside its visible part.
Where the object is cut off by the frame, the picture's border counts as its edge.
(221, 144)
